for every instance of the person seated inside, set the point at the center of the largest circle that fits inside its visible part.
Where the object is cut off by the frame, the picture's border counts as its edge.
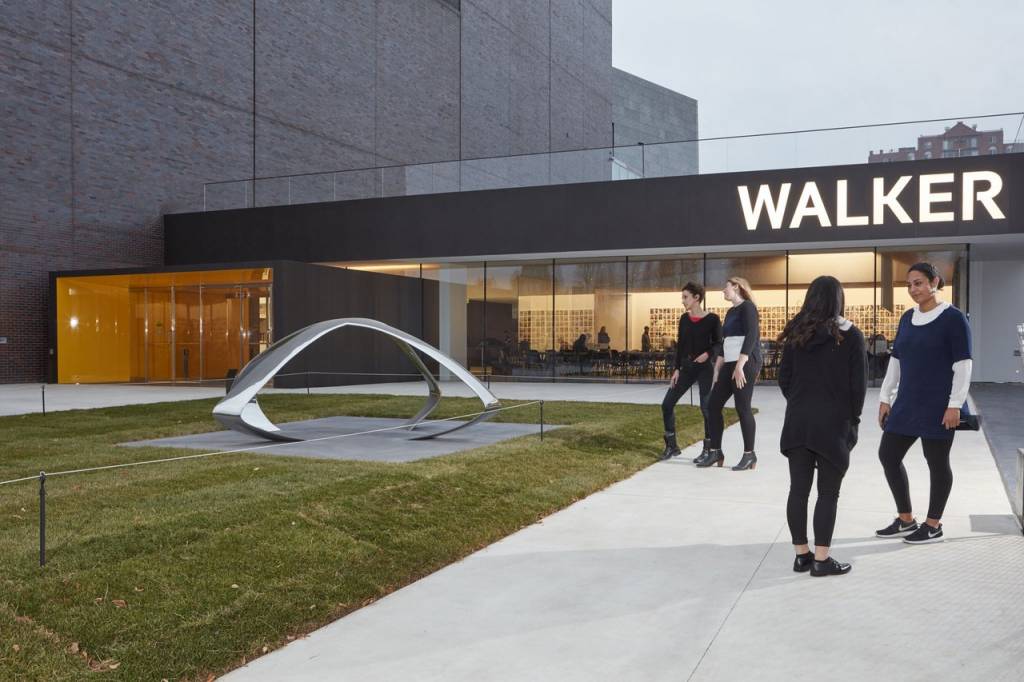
(645, 340)
(580, 345)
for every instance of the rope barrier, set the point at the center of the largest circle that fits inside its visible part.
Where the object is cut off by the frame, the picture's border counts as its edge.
(256, 448)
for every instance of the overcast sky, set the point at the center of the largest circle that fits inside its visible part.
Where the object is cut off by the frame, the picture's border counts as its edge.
(785, 65)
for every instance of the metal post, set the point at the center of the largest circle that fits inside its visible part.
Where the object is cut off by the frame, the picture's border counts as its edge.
(542, 420)
(44, 399)
(307, 382)
(42, 518)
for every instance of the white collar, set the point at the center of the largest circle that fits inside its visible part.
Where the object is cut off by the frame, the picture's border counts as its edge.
(844, 324)
(919, 319)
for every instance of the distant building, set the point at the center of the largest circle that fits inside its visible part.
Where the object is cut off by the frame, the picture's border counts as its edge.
(960, 140)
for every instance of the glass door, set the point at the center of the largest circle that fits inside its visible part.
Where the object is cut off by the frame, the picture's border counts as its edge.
(221, 331)
(187, 333)
(159, 334)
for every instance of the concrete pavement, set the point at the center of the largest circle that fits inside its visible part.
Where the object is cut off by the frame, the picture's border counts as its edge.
(685, 574)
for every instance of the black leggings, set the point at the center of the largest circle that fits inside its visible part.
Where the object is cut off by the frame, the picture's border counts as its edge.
(936, 452)
(801, 473)
(695, 372)
(720, 393)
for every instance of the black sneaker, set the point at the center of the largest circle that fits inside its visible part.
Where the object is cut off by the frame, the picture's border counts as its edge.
(829, 567)
(924, 535)
(897, 529)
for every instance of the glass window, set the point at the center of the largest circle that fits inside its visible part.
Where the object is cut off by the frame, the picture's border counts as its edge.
(654, 309)
(460, 301)
(856, 271)
(517, 319)
(590, 317)
(767, 277)
(892, 268)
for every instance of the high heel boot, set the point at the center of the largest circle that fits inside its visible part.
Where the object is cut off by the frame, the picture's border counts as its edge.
(671, 447)
(704, 452)
(714, 457)
(747, 461)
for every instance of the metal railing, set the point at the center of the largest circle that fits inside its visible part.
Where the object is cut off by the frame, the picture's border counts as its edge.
(759, 151)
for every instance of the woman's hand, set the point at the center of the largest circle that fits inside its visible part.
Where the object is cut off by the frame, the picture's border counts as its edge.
(952, 418)
(703, 357)
(738, 377)
(883, 413)
(675, 378)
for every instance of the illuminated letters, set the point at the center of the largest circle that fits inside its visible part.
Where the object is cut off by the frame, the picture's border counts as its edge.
(928, 197)
(977, 187)
(764, 199)
(995, 185)
(843, 217)
(810, 203)
(881, 199)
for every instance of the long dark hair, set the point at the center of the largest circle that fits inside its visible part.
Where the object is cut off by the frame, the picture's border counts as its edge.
(824, 303)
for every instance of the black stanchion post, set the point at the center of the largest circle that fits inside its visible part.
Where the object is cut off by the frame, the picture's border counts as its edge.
(42, 518)
(307, 382)
(542, 420)
(44, 399)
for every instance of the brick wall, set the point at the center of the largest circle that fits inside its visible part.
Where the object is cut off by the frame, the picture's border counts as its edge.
(115, 113)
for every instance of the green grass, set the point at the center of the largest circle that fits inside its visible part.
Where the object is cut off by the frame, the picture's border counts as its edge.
(183, 569)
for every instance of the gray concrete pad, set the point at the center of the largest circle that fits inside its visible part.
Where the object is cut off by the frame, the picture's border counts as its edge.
(327, 439)
(1001, 407)
(681, 573)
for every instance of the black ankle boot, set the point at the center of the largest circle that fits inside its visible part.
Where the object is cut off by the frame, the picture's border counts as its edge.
(829, 567)
(714, 457)
(704, 452)
(747, 461)
(671, 447)
(802, 563)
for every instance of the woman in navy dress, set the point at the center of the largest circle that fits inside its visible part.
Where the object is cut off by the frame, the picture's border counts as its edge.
(925, 387)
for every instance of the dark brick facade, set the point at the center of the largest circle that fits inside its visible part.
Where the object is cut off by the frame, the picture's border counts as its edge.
(115, 113)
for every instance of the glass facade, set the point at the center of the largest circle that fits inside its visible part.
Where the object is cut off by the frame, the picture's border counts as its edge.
(182, 326)
(586, 319)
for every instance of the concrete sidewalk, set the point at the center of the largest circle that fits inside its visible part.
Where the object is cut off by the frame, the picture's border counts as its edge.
(680, 573)
(27, 398)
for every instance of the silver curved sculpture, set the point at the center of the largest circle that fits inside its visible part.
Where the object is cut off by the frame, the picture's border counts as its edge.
(240, 411)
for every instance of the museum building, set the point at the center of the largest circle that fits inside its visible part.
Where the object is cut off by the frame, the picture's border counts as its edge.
(517, 283)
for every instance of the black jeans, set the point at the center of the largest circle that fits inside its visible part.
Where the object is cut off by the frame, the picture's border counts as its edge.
(801, 474)
(720, 394)
(936, 452)
(693, 372)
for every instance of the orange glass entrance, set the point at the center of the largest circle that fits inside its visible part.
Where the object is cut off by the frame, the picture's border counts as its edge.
(176, 327)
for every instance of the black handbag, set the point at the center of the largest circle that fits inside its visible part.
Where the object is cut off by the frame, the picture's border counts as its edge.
(968, 421)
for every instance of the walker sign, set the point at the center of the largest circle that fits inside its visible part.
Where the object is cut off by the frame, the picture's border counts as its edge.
(885, 199)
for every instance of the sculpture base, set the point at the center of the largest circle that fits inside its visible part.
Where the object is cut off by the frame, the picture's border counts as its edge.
(396, 445)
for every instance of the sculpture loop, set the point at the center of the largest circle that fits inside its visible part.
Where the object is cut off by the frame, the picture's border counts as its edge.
(240, 411)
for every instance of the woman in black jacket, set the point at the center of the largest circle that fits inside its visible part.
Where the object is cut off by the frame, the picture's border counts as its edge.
(823, 375)
(700, 335)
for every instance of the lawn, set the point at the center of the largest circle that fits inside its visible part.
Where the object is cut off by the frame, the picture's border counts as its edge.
(187, 569)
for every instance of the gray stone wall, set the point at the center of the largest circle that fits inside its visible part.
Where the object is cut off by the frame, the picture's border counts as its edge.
(115, 113)
(646, 112)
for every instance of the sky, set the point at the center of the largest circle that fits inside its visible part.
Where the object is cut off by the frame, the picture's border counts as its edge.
(788, 65)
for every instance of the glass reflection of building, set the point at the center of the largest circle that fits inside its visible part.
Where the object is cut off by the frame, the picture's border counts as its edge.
(541, 319)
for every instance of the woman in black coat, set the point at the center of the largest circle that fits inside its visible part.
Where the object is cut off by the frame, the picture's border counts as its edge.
(823, 375)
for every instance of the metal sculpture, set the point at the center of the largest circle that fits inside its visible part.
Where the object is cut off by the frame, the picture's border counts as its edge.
(240, 411)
